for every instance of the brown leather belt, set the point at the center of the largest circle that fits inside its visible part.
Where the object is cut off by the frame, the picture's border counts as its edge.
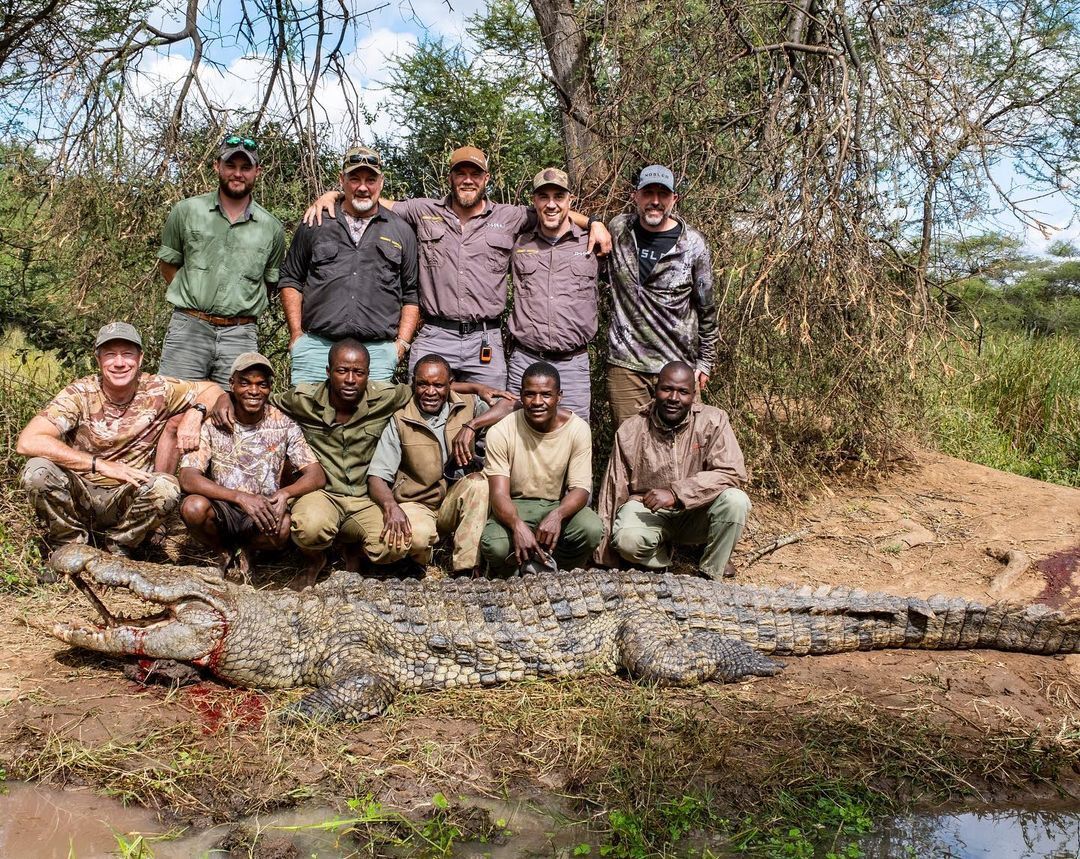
(220, 321)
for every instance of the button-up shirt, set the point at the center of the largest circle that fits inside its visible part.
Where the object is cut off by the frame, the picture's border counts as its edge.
(224, 267)
(555, 293)
(353, 289)
(343, 449)
(669, 317)
(463, 267)
(697, 460)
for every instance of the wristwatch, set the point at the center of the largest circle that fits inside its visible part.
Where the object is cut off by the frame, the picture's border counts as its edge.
(405, 344)
(200, 408)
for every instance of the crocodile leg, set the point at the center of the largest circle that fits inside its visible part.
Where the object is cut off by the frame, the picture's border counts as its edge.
(355, 697)
(654, 649)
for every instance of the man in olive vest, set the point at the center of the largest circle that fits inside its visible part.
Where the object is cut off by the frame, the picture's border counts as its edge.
(424, 473)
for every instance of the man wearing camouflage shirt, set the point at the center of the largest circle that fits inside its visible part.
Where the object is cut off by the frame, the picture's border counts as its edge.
(663, 308)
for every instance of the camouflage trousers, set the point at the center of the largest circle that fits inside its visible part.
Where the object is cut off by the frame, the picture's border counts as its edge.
(463, 513)
(73, 508)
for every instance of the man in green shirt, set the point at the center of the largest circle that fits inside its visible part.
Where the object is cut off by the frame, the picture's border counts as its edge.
(220, 253)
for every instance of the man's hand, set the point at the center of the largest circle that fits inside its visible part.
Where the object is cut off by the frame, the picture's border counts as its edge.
(396, 532)
(313, 215)
(402, 349)
(702, 379)
(549, 529)
(489, 394)
(525, 545)
(660, 499)
(599, 239)
(187, 431)
(122, 472)
(462, 445)
(279, 501)
(293, 338)
(260, 509)
(222, 415)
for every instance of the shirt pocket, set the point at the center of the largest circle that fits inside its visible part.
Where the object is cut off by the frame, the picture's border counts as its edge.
(431, 235)
(499, 246)
(585, 270)
(525, 265)
(388, 260)
(198, 248)
(251, 262)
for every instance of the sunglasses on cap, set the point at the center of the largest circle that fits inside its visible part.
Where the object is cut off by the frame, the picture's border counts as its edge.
(365, 160)
(237, 140)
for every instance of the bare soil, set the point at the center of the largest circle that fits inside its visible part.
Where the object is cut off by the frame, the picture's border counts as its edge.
(980, 724)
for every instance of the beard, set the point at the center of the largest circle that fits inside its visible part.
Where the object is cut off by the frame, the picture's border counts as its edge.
(363, 205)
(467, 199)
(654, 217)
(233, 193)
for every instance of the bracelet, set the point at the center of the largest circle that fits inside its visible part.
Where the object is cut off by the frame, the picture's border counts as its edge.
(93, 465)
(468, 426)
(591, 221)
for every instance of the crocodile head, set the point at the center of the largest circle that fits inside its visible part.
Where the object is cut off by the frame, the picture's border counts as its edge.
(194, 607)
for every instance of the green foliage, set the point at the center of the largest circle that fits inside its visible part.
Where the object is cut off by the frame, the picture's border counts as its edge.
(1014, 406)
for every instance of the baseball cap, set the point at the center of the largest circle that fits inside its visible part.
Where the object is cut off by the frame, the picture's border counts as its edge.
(361, 156)
(656, 174)
(551, 176)
(471, 155)
(117, 331)
(234, 144)
(247, 360)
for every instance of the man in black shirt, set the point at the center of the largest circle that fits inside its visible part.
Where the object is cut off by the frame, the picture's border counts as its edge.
(353, 275)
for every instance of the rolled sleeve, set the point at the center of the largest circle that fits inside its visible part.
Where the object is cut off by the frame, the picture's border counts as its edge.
(272, 272)
(172, 239)
(295, 267)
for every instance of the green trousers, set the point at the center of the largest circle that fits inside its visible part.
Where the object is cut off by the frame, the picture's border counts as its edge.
(579, 538)
(645, 538)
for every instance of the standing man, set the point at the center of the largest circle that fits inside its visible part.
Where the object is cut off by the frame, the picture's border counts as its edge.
(220, 254)
(663, 308)
(235, 502)
(429, 439)
(465, 247)
(352, 276)
(539, 469)
(555, 296)
(92, 447)
(673, 478)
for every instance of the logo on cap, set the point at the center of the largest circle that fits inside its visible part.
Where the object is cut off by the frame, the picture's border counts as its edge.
(117, 331)
(656, 174)
(551, 176)
(469, 155)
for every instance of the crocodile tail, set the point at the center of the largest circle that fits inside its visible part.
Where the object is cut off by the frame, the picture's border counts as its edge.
(838, 619)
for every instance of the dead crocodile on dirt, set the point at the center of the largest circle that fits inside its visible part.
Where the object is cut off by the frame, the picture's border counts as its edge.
(360, 641)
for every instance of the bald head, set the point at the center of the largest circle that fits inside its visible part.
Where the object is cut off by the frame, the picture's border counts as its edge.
(674, 393)
(677, 370)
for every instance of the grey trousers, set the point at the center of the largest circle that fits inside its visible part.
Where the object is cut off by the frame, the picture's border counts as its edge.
(195, 350)
(463, 354)
(574, 372)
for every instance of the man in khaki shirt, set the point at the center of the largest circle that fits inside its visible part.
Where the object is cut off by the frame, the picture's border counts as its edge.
(555, 294)
(673, 478)
(539, 470)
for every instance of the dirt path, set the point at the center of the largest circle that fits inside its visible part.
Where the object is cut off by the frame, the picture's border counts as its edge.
(939, 525)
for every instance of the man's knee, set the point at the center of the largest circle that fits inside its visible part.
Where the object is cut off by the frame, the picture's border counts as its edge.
(313, 526)
(41, 474)
(586, 529)
(162, 491)
(494, 543)
(636, 543)
(196, 510)
(732, 505)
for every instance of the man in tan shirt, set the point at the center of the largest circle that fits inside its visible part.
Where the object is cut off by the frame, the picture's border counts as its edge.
(539, 470)
(673, 478)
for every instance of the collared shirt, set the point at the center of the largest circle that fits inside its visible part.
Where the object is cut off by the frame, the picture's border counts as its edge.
(697, 460)
(343, 449)
(463, 267)
(387, 457)
(252, 457)
(669, 317)
(353, 289)
(555, 292)
(224, 267)
(128, 432)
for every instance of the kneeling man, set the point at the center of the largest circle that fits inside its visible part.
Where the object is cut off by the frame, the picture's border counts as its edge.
(92, 447)
(235, 500)
(424, 443)
(673, 478)
(539, 469)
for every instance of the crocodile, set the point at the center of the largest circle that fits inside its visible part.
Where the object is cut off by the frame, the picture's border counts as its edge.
(360, 641)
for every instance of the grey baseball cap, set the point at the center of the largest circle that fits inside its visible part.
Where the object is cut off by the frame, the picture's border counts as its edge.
(117, 331)
(247, 360)
(656, 174)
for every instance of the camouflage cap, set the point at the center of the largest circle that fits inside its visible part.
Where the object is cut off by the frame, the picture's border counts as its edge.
(247, 360)
(117, 331)
(551, 176)
(362, 156)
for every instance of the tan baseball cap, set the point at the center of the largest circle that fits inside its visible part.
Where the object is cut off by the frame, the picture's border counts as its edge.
(470, 155)
(361, 156)
(247, 360)
(551, 176)
(117, 331)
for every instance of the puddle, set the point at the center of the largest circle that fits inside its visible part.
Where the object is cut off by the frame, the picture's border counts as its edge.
(998, 833)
